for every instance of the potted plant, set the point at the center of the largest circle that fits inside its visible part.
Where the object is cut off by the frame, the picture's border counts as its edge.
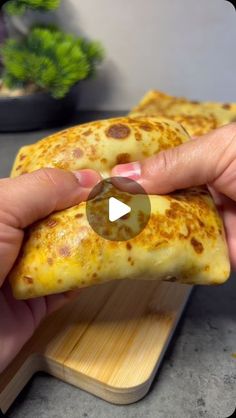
(40, 71)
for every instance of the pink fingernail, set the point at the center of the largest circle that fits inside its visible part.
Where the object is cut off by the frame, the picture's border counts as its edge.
(130, 170)
(86, 178)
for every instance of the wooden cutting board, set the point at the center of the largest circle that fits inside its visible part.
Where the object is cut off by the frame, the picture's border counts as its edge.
(109, 342)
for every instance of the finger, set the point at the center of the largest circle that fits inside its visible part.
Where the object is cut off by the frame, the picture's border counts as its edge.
(33, 196)
(208, 159)
(55, 302)
(226, 207)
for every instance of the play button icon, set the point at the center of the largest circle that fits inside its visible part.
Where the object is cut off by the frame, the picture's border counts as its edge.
(118, 209)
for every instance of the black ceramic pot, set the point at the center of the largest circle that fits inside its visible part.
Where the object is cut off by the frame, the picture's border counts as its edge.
(36, 111)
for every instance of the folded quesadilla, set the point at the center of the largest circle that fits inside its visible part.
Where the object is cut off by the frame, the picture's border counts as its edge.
(197, 118)
(183, 241)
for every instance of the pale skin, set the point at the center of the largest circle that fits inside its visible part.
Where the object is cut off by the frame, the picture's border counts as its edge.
(207, 160)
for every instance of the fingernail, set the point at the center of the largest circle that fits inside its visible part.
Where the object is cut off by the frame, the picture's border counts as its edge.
(130, 170)
(86, 178)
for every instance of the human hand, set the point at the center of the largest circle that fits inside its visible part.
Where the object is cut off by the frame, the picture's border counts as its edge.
(25, 200)
(209, 160)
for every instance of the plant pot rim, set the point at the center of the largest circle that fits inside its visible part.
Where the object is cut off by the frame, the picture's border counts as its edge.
(29, 96)
(36, 94)
(36, 111)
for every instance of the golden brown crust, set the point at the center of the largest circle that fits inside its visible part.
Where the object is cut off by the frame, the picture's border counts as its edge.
(100, 145)
(197, 118)
(184, 238)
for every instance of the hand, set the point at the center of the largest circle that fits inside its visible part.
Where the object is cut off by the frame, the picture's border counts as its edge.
(209, 160)
(25, 200)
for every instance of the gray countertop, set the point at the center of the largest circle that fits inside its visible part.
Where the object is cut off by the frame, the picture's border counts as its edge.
(198, 374)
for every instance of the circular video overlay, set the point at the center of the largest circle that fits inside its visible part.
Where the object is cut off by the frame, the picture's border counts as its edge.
(118, 209)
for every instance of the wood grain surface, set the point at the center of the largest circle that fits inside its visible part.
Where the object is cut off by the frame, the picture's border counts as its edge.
(109, 342)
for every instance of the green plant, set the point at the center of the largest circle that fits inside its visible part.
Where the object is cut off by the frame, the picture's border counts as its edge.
(50, 59)
(46, 57)
(20, 6)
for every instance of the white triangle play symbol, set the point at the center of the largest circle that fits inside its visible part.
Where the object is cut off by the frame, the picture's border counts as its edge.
(117, 209)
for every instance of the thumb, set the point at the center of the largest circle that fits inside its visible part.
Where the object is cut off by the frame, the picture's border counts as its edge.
(30, 197)
(33, 196)
(210, 159)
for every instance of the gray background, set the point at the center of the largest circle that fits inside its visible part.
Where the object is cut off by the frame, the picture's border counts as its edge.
(184, 47)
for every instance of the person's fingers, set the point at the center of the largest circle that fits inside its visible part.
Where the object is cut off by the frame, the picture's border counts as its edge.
(210, 159)
(19, 319)
(30, 197)
(55, 302)
(226, 208)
